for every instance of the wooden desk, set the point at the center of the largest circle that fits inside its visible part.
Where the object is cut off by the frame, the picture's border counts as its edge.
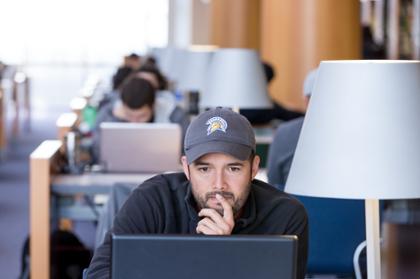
(65, 123)
(44, 163)
(2, 124)
(93, 183)
(264, 135)
(21, 83)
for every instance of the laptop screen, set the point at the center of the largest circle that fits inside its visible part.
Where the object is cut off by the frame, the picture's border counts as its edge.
(205, 257)
(140, 147)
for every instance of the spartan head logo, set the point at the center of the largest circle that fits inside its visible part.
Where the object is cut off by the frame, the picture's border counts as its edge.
(216, 124)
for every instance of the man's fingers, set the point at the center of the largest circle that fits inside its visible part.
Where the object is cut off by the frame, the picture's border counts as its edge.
(210, 226)
(227, 209)
(214, 222)
(211, 213)
(204, 230)
(216, 218)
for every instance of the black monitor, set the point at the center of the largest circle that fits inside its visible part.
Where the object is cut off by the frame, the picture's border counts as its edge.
(152, 256)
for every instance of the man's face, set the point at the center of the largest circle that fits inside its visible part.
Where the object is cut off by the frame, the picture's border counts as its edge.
(223, 174)
(140, 115)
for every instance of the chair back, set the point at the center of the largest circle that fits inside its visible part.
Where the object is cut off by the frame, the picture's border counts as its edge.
(336, 228)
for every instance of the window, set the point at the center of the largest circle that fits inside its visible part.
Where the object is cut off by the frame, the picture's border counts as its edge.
(80, 32)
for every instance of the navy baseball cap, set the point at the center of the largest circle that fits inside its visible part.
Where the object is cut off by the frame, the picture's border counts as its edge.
(219, 130)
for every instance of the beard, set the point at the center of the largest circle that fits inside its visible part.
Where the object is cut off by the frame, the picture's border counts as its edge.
(235, 202)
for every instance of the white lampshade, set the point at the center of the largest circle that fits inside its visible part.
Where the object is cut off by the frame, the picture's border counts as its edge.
(361, 139)
(235, 79)
(158, 54)
(361, 134)
(194, 70)
(172, 63)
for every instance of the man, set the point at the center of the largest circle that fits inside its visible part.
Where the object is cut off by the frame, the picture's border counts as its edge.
(138, 103)
(282, 149)
(215, 195)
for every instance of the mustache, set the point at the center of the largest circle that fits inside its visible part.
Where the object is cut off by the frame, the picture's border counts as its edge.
(226, 195)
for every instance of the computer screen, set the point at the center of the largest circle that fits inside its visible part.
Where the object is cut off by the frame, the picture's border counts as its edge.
(140, 147)
(206, 257)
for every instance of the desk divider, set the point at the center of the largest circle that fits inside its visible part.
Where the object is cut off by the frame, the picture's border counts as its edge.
(43, 161)
(65, 123)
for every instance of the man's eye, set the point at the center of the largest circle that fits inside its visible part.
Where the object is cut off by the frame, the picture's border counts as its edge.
(235, 169)
(203, 169)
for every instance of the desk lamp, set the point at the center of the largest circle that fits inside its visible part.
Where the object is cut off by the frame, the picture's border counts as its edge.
(194, 73)
(235, 79)
(361, 139)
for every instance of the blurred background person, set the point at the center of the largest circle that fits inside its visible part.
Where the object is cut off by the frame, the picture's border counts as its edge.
(283, 147)
(138, 102)
(264, 116)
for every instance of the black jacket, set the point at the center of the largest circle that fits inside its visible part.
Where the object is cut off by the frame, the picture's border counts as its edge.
(164, 204)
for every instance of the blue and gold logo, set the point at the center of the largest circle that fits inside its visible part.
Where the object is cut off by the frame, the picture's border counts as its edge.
(216, 124)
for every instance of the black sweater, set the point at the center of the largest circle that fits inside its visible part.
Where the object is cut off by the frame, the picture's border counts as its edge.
(164, 204)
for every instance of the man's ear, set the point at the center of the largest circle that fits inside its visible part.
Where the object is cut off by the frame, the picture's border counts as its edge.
(185, 167)
(255, 166)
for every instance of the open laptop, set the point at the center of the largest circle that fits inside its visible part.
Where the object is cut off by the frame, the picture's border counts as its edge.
(205, 257)
(140, 147)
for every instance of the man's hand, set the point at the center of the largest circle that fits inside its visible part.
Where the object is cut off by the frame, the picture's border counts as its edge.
(215, 224)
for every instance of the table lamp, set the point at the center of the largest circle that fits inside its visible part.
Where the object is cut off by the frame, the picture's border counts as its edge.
(194, 70)
(361, 139)
(235, 79)
(192, 78)
(171, 62)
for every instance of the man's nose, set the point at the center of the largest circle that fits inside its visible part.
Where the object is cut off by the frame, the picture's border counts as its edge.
(220, 182)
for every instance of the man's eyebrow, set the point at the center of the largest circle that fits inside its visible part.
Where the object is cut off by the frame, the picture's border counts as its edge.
(201, 163)
(236, 164)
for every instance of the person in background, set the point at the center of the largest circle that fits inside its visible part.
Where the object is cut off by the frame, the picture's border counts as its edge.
(150, 60)
(2, 69)
(370, 49)
(216, 194)
(137, 102)
(264, 116)
(131, 64)
(147, 71)
(282, 149)
(153, 74)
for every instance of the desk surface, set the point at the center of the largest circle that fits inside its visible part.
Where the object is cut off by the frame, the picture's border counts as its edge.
(264, 135)
(94, 183)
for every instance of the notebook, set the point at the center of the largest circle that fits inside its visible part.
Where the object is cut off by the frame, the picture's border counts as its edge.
(140, 147)
(205, 257)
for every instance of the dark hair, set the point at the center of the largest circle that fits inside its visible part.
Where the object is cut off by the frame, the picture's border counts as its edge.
(119, 77)
(133, 56)
(150, 61)
(163, 83)
(137, 92)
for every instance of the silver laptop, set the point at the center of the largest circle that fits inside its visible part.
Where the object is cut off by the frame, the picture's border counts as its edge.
(205, 257)
(140, 147)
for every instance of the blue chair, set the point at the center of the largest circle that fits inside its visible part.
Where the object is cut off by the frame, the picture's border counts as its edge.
(336, 228)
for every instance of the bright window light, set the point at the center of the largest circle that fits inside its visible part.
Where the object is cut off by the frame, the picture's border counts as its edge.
(80, 32)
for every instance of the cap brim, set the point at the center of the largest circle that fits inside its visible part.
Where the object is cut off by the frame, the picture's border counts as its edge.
(239, 151)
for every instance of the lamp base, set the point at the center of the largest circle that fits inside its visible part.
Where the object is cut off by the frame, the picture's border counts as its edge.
(373, 239)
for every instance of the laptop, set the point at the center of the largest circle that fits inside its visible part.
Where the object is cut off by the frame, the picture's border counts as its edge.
(140, 147)
(206, 257)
